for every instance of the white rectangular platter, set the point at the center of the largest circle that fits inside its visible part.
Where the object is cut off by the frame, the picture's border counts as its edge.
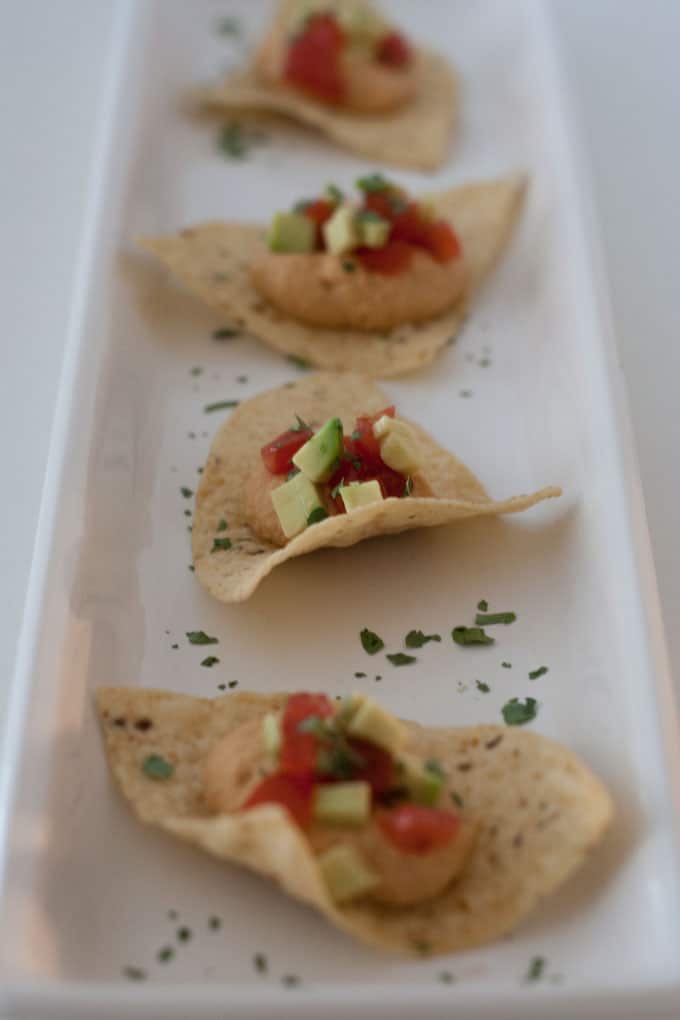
(528, 396)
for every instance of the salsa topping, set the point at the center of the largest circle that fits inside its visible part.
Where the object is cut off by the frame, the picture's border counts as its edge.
(313, 61)
(328, 472)
(382, 229)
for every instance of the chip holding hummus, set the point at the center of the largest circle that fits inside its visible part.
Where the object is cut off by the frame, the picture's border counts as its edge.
(340, 67)
(379, 283)
(409, 838)
(322, 462)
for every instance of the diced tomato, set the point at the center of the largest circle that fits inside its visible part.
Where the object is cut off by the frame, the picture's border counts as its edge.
(320, 211)
(379, 767)
(293, 793)
(299, 750)
(379, 202)
(391, 482)
(278, 454)
(410, 225)
(442, 242)
(313, 59)
(393, 258)
(394, 50)
(418, 830)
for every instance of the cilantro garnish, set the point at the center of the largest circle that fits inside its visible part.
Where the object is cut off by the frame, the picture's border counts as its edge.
(222, 525)
(370, 641)
(457, 799)
(536, 968)
(434, 766)
(482, 605)
(298, 362)
(292, 473)
(209, 661)
(187, 493)
(233, 142)
(400, 659)
(416, 638)
(516, 712)
(319, 513)
(226, 333)
(484, 688)
(156, 767)
(197, 370)
(183, 934)
(488, 619)
(165, 954)
(334, 194)
(506, 665)
(535, 673)
(373, 182)
(348, 265)
(301, 426)
(220, 543)
(221, 405)
(359, 676)
(471, 636)
(408, 486)
(199, 637)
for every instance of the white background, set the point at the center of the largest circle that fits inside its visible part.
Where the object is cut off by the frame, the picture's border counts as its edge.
(620, 57)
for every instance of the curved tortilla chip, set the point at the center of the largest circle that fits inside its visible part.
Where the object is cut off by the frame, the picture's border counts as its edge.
(233, 574)
(212, 261)
(541, 812)
(413, 136)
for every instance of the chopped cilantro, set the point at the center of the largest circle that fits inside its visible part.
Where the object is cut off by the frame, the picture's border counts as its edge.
(174, 646)
(187, 493)
(373, 182)
(416, 638)
(488, 619)
(371, 642)
(423, 946)
(516, 712)
(378, 678)
(134, 973)
(233, 683)
(298, 362)
(214, 923)
(359, 676)
(446, 977)
(471, 636)
(183, 934)
(232, 141)
(484, 362)
(199, 637)
(535, 673)
(210, 661)
(536, 968)
(399, 659)
(348, 265)
(226, 333)
(228, 25)
(220, 405)
(220, 543)
(334, 194)
(187, 513)
(506, 665)
(165, 954)
(156, 767)
(434, 767)
(221, 687)
(197, 370)
(482, 605)
(408, 486)
(484, 688)
(222, 525)
(242, 378)
(260, 963)
(319, 513)
(292, 473)
(457, 799)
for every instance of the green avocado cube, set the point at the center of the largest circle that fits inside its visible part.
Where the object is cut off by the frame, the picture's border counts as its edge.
(373, 230)
(291, 232)
(423, 784)
(294, 501)
(342, 803)
(316, 459)
(340, 231)
(360, 494)
(372, 723)
(346, 874)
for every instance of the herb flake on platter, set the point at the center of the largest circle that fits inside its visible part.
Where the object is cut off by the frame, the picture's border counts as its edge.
(471, 636)
(517, 713)
(232, 141)
(199, 637)
(481, 686)
(290, 981)
(156, 767)
(228, 25)
(489, 619)
(220, 543)
(535, 970)
(260, 963)
(359, 676)
(506, 665)
(210, 661)
(226, 333)
(196, 370)
(186, 492)
(370, 641)
(416, 638)
(482, 605)
(536, 673)
(298, 362)
(166, 954)
(221, 405)
(184, 934)
(400, 659)
(215, 923)
(222, 525)
(445, 977)
(134, 973)
(456, 799)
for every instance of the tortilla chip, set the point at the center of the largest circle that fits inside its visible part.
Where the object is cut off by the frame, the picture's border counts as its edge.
(212, 260)
(540, 813)
(414, 136)
(233, 574)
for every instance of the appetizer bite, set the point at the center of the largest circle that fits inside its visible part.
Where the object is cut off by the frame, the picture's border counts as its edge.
(322, 462)
(379, 285)
(409, 838)
(340, 67)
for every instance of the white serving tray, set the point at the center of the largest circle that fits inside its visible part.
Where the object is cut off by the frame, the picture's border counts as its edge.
(85, 889)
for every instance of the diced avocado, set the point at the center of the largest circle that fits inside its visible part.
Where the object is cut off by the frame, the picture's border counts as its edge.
(271, 733)
(294, 501)
(397, 444)
(316, 459)
(423, 784)
(291, 232)
(346, 874)
(373, 230)
(371, 722)
(342, 803)
(340, 231)
(360, 494)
